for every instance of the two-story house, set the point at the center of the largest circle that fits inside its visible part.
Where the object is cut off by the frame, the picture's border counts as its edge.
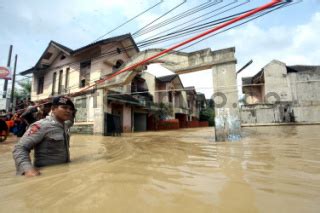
(63, 71)
(137, 109)
(282, 94)
(108, 110)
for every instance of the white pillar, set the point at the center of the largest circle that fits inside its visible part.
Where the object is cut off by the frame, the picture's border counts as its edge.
(227, 114)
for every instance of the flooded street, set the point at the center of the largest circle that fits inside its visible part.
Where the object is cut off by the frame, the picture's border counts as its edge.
(272, 169)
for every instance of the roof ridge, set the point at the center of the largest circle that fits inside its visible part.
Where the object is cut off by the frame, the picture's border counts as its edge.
(61, 46)
(103, 40)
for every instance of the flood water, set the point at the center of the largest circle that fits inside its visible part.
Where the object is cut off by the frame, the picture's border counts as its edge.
(272, 169)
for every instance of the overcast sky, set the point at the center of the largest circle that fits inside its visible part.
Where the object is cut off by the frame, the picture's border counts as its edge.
(290, 35)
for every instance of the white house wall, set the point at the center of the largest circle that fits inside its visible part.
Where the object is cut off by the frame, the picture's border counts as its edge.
(150, 81)
(276, 81)
(127, 118)
(101, 65)
(300, 90)
(306, 92)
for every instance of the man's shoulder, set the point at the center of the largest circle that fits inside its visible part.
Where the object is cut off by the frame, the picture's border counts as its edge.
(44, 122)
(41, 126)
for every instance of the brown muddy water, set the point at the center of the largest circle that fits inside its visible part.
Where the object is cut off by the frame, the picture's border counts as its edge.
(272, 169)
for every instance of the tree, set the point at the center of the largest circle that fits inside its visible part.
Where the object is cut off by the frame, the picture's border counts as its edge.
(208, 114)
(160, 111)
(25, 89)
(164, 111)
(23, 92)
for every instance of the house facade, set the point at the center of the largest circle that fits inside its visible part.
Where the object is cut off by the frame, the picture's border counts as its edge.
(62, 71)
(126, 108)
(282, 94)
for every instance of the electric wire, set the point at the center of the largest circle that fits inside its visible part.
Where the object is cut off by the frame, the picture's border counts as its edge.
(166, 13)
(114, 52)
(180, 16)
(127, 21)
(93, 80)
(193, 19)
(189, 31)
(278, 6)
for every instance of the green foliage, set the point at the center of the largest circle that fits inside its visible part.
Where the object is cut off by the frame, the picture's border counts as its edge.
(24, 90)
(164, 111)
(208, 113)
(210, 103)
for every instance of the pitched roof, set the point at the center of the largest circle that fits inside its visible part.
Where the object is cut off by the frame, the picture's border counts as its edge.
(190, 88)
(257, 78)
(123, 98)
(108, 40)
(62, 47)
(167, 78)
(201, 96)
(302, 68)
(246, 81)
(69, 51)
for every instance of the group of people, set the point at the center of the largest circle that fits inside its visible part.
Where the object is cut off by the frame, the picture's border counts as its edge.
(18, 122)
(47, 132)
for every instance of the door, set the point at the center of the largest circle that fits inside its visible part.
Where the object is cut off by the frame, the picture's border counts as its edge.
(140, 122)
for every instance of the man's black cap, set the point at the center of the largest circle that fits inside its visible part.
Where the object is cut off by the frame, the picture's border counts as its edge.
(62, 100)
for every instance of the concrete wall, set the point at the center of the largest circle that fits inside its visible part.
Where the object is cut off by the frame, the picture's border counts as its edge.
(150, 81)
(127, 123)
(267, 114)
(276, 81)
(306, 95)
(307, 114)
(99, 113)
(227, 115)
(254, 94)
(162, 93)
(260, 113)
(298, 92)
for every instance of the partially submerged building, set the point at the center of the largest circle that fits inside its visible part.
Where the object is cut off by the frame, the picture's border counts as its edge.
(282, 94)
(128, 107)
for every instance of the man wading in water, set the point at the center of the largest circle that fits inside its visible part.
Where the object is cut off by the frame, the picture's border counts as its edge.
(48, 137)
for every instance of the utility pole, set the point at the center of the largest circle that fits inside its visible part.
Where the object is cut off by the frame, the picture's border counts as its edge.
(12, 104)
(5, 86)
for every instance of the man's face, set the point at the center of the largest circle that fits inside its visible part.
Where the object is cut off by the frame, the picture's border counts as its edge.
(62, 112)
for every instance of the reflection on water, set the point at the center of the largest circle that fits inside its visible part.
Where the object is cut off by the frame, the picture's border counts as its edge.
(273, 169)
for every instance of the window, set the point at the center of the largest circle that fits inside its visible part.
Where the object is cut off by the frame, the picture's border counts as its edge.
(81, 103)
(84, 73)
(40, 85)
(134, 87)
(82, 83)
(47, 55)
(170, 97)
(66, 85)
(118, 65)
(54, 82)
(60, 82)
